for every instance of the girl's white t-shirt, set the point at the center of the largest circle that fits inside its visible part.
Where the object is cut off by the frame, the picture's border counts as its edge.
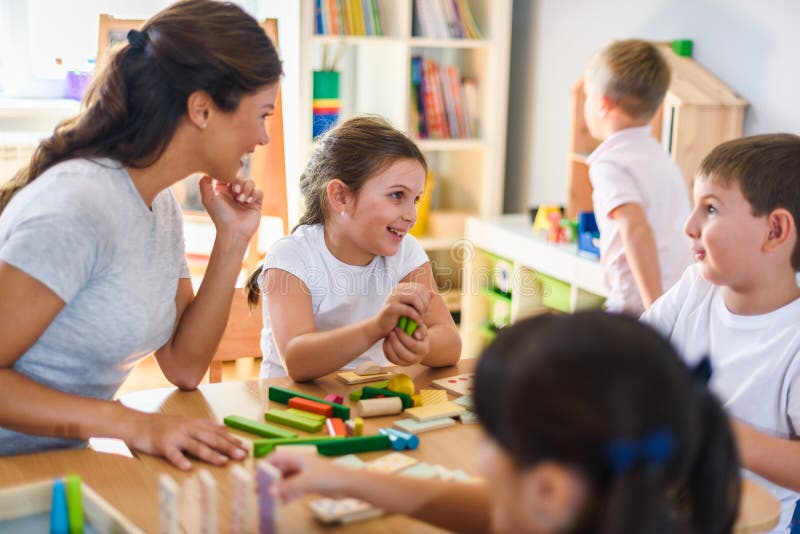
(341, 294)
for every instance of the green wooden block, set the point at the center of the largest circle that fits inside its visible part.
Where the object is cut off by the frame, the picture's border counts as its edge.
(74, 504)
(256, 427)
(683, 47)
(401, 324)
(282, 395)
(370, 392)
(293, 420)
(411, 327)
(307, 415)
(354, 445)
(355, 395)
(262, 447)
(381, 385)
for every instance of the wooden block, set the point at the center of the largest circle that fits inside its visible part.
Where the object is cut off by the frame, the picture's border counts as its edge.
(351, 378)
(308, 405)
(262, 447)
(369, 392)
(255, 427)
(380, 407)
(336, 399)
(420, 470)
(307, 415)
(465, 401)
(401, 383)
(242, 517)
(59, 510)
(168, 505)
(355, 395)
(293, 420)
(355, 427)
(338, 447)
(72, 485)
(368, 368)
(435, 411)
(433, 396)
(331, 511)
(412, 441)
(417, 427)
(417, 399)
(349, 460)
(469, 418)
(457, 385)
(398, 442)
(335, 427)
(209, 522)
(267, 476)
(391, 463)
(282, 395)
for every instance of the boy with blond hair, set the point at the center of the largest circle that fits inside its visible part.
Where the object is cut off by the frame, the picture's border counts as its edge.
(740, 302)
(640, 198)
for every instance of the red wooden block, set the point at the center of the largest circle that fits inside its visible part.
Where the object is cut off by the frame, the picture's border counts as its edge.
(335, 427)
(311, 406)
(336, 399)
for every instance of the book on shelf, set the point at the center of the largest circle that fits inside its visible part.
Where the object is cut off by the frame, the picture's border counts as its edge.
(347, 17)
(445, 19)
(444, 106)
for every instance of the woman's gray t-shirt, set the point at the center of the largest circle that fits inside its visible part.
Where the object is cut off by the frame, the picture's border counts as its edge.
(83, 230)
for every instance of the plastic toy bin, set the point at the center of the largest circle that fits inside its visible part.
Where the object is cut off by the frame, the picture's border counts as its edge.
(555, 293)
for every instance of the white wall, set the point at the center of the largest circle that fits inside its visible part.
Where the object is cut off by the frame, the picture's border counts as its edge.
(752, 45)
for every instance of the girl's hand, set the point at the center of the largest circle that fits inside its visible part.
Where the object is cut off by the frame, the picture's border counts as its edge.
(233, 207)
(407, 299)
(405, 350)
(172, 437)
(305, 472)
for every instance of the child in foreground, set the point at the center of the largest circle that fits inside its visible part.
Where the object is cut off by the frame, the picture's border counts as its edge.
(606, 431)
(336, 288)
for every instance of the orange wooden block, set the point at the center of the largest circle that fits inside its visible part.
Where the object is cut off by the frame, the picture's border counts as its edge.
(335, 427)
(311, 406)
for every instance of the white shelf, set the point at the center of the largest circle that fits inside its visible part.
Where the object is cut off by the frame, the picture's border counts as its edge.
(357, 39)
(426, 42)
(431, 145)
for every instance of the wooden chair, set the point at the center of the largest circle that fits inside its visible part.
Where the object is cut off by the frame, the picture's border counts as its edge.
(242, 337)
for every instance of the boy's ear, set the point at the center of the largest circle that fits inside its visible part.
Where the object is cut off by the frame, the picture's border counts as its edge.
(781, 226)
(606, 104)
(339, 195)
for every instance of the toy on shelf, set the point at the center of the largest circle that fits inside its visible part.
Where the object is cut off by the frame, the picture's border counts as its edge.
(541, 223)
(588, 234)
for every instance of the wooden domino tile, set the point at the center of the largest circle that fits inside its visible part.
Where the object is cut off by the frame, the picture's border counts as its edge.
(436, 411)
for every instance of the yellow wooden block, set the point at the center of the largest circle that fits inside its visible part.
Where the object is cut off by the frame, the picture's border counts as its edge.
(349, 377)
(434, 411)
(433, 396)
(417, 399)
(401, 384)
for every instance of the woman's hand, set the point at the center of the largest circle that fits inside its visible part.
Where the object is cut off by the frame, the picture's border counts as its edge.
(402, 349)
(173, 437)
(305, 472)
(407, 299)
(234, 208)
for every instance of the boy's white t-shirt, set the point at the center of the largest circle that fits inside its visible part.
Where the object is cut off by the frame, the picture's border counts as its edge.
(631, 166)
(755, 359)
(341, 294)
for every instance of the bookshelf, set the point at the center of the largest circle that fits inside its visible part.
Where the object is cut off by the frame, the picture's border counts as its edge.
(695, 97)
(375, 77)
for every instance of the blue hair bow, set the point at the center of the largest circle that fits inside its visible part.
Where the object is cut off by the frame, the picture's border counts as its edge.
(655, 448)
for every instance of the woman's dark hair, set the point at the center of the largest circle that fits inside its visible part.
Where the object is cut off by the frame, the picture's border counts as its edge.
(353, 152)
(565, 388)
(134, 104)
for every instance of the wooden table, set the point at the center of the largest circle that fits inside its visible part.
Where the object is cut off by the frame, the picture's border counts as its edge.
(130, 484)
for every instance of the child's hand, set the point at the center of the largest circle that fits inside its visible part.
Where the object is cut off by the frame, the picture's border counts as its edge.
(405, 350)
(173, 437)
(407, 299)
(305, 472)
(233, 207)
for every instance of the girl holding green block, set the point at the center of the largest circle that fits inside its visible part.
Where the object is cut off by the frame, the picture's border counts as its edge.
(350, 284)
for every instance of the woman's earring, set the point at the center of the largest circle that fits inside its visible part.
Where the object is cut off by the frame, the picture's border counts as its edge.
(341, 213)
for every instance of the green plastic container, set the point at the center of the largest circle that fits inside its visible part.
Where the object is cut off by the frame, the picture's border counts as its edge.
(555, 293)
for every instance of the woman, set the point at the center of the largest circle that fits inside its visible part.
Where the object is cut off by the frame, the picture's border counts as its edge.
(92, 269)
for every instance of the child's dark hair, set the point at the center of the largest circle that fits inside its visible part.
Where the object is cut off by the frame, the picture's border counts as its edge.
(568, 388)
(135, 103)
(767, 170)
(633, 73)
(352, 152)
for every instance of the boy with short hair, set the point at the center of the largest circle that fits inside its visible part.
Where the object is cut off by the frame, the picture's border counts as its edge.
(740, 302)
(640, 198)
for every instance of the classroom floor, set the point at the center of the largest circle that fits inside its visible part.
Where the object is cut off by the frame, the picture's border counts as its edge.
(147, 375)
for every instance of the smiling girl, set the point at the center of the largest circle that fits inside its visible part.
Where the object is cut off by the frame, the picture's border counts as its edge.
(336, 288)
(93, 275)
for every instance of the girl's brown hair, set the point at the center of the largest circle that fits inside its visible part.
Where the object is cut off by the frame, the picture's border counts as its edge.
(352, 152)
(134, 105)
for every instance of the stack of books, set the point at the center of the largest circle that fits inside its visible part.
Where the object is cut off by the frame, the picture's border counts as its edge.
(446, 19)
(347, 17)
(443, 104)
